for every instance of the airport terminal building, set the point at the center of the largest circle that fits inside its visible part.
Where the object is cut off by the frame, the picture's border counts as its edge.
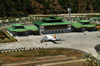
(20, 30)
(53, 25)
(83, 25)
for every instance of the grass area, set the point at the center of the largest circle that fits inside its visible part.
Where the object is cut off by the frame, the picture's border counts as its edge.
(43, 52)
(81, 63)
(72, 62)
(60, 63)
(32, 54)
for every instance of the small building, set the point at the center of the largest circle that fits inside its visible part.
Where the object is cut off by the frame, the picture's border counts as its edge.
(53, 25)
(93, 18)
(21, 30)
(77, 19)
(83, 25)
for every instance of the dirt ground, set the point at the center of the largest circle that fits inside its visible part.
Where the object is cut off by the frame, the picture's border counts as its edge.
(38, 55)
(81, 63)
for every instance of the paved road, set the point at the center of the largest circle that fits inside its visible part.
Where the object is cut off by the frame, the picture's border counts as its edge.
(85, 41)
(72, 14)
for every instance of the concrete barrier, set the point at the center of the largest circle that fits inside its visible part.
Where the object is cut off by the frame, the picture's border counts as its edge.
(30, 48)
(2, 51)
(33, 48)
(19, 49)
(5, 50)
(39, 47)
(22, 49)
(12, 50)
(36, 48)
(16, 50)
(9, 50)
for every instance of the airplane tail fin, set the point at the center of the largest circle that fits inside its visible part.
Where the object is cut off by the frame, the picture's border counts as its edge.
(54, 36)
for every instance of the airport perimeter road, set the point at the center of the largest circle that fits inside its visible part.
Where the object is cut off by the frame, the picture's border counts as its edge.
(84, 41)
(72, 14)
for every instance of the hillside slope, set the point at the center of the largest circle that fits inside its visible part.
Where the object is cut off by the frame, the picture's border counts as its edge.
(21, 7)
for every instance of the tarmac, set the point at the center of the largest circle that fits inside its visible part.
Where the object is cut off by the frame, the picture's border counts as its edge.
(84, 41)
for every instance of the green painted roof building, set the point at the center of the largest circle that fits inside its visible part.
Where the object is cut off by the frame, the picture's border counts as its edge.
(83, 24)
(76, 19)
(95, 18)
(51, 21)
(79, 25)
(52, 24)
(20, 28)
(84, 21)
(17, 25)
(42, 23)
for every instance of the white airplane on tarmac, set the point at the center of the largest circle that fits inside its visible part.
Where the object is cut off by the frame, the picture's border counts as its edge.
(50, 38)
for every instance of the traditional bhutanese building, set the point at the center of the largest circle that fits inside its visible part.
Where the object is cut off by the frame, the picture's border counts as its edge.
(19, 29)
(77, 19)
(53, 25)
(83, 25)
(94, 19)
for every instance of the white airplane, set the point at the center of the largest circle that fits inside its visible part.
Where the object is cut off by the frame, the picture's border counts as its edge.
(49, 38)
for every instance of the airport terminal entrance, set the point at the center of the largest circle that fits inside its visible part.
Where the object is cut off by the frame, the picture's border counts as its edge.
(56, 29)
(83, 29)
(22, 33)
(35, 32)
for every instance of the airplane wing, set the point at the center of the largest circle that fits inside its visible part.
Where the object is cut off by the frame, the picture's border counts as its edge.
(54, 42)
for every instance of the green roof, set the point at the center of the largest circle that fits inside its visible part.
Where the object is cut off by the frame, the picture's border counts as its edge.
(98, 18)
(77, 18)
(32, 28)
(17, 25)
(93, 18)
(84, 21)
(10, 28)
(51, 16)
(79, 25)
(51, 19)
(89, 25)
(41, 23)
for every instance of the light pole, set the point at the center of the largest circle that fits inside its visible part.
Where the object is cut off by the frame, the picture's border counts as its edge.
(69, 11)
